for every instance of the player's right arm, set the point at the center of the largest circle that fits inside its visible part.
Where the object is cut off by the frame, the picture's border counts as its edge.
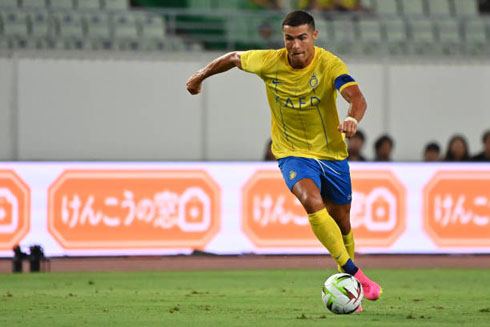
(218, 65)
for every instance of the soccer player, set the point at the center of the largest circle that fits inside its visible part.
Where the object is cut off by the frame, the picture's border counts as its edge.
(307, 137)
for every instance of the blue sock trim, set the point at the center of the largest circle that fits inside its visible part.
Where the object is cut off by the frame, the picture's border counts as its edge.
(350, 267)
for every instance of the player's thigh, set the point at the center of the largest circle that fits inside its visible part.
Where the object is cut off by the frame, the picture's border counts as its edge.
(302, 176)
(308, 193)
(335, 182)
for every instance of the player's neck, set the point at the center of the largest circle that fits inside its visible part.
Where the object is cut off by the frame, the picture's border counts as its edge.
(303, 64)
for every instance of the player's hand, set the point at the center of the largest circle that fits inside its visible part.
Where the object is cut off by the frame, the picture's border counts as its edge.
(194, 83)
(348, 127)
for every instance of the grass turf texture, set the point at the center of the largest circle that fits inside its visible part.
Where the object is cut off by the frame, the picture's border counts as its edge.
(418, 297)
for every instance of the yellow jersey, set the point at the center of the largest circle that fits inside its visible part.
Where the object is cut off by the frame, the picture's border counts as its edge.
(303, 102)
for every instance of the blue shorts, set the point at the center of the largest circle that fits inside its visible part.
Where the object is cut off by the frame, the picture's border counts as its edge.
(331, 177)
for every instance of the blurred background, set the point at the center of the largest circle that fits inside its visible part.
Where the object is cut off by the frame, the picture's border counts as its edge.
(105, 79)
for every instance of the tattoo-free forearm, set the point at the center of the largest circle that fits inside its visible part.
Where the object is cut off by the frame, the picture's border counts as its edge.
(219, 65)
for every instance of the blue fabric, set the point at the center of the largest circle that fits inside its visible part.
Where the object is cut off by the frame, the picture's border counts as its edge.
(331, 177)
(341, 80)
(350, 267)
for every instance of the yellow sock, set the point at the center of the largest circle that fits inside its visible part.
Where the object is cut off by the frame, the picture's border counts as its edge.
(328, 233)
(349, 246)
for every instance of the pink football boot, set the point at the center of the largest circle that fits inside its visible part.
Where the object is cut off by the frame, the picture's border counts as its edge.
(372, 291)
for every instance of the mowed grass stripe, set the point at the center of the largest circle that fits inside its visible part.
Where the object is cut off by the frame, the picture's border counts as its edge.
(415, 297)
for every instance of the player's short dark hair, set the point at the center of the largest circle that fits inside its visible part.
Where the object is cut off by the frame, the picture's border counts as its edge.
(485, 136)
(433, 146)
(299, 17)
(382, 139)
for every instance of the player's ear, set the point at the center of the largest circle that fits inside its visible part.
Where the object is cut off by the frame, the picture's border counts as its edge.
(315, 34)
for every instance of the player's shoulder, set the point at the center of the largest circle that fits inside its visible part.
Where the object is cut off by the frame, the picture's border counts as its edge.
(327, 57)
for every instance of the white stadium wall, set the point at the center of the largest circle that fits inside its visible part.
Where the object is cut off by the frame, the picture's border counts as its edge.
(131, 107)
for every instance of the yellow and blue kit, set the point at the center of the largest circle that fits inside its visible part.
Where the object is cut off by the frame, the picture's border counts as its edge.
(304, 117)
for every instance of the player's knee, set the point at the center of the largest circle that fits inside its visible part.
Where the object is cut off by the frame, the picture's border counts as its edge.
(312, 203)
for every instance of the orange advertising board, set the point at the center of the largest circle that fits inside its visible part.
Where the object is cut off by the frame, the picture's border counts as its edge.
(116, 209)
(457, 208)
(14, 209)
(271, 214)
(378, 210)
(273, 217)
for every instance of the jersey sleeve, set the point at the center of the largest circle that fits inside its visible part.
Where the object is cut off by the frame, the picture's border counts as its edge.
(340, 75)
(253, 61)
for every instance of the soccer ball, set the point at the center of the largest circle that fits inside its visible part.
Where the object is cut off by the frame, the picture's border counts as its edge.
(342, 293)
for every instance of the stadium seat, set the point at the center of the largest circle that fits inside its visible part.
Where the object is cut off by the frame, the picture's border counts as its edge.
(62, 4)
(325, 35)
(439, 8)
(228, 4)
(126, 32)
(34, 4)
(466, 7)
(116, 4)
(9, 4)
(396, 30)
(448, 32)
(370, 36)
(421, 30)
(422, 39)
(40, 24)
(98, 31)
(200, 4)
(152, 26)
(4, 43)
(41, 30)
(14, 24)
(370, 30)
(474, 35)
(70, 30)
(387, 7)
(413, 7)
(396, 36)
(88, 4)
(344, 30)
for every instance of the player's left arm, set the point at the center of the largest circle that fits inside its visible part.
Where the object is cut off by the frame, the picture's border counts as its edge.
(353, 95)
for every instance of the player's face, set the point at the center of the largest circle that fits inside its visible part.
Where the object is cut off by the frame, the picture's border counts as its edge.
(300, 44)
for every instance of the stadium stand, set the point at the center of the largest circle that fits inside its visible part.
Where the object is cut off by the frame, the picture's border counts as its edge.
(388, 27)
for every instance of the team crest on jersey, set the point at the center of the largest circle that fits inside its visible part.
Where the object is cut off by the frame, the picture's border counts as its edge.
(292, 174)
(313, 81)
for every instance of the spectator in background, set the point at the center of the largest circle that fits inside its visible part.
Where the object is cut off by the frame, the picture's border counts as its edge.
(432, 152)
(264, 4)
(348, 5)
(320, 5)
(383, 147)
(457, 149)
(328, 5)
(485, 154)
(355, 145)
(269, 40)
(268, 156)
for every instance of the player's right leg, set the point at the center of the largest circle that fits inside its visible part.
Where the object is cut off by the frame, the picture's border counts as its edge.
(341, 215)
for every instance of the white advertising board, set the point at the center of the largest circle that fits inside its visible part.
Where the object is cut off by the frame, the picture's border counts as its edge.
(110, 208)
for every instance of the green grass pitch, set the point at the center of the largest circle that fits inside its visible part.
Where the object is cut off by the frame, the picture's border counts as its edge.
(417, 297)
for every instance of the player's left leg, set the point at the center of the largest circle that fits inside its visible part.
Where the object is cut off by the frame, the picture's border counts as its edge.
(336, 188)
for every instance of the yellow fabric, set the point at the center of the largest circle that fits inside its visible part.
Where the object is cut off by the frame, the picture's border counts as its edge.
(349, 4)
(318, 4)
(328, 233)
(349, 246)
(302, 102)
